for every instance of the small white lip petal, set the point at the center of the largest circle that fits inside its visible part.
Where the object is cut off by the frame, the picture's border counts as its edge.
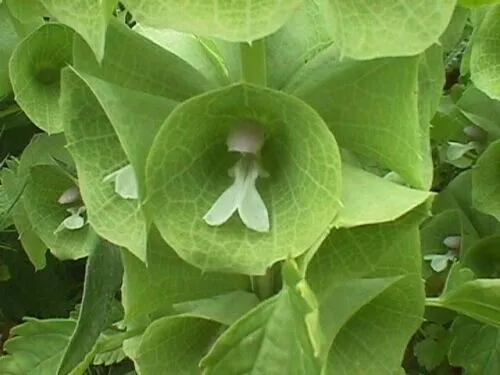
(439, 263)
(246, 138)
(74, 222)
(126, 183)
(224, 207)
(253, 211)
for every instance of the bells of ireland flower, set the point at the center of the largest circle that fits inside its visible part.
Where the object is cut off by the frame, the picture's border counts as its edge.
(242, 177)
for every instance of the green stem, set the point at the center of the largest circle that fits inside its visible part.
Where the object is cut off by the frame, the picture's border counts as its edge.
(433, 302)
(253, 62)
(263, 286)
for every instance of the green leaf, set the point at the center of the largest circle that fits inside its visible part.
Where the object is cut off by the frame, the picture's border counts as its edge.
(483, 257)
(455, 30)
(89, 18)
(36, 347)
(477, 3)
(119, 123)
(459, 194)
(342, 93)
(478, 299)
(485, 57)
(169, 339)
(485, 181)
(262, 339)
(375, 290)
(296, 43)
(191, 49)
(480, 109)
(457, 276)
(35, 68)
(27, 11)
(364, 199)
(151, 291)
(39, 152)
(362, 30)
(224, 309)
(232, 21)
(475, 346)
(8, 42)
(47, 183)
(146, 62)
(432, 350)
(103, 277)
(187, 174)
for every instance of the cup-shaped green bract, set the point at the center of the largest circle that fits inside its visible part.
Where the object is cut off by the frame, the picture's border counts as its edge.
(45, 213)
(187, 170)
(35, 70)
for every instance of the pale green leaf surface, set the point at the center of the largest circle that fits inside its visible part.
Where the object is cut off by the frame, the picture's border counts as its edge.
(485, 56)
(89, 18)
(174, 345)
(90, 135)
(224, 309)
(8, 41)
(475, 347)
(369, 199)
(45, 214)
(191, 49)
(27, 11)
(263, 340)
(453, 33)
(135, 116)
(299, 40)
(485, 181)
(151, 291)
(371, 107)
(186, 174)
(477, 3)
(431, 79)
(478, 299)
(235, 21)
(147, 67)
(35, 68)
(37, 347)
(370, 277)
(103, 277)
(367, 30)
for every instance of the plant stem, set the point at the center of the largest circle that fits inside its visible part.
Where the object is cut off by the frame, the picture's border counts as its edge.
(263, 286)
(253, 62)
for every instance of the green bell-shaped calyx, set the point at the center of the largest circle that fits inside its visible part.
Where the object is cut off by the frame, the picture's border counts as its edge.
(253, 132)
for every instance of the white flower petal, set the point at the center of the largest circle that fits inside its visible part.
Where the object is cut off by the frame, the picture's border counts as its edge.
(439, 263)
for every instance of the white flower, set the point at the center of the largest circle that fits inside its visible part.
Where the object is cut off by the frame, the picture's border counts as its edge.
(439, 262)
(242, 195)
(74, 221)
(125, 182)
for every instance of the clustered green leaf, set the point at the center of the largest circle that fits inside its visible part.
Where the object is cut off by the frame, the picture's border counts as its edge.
(257, 186)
